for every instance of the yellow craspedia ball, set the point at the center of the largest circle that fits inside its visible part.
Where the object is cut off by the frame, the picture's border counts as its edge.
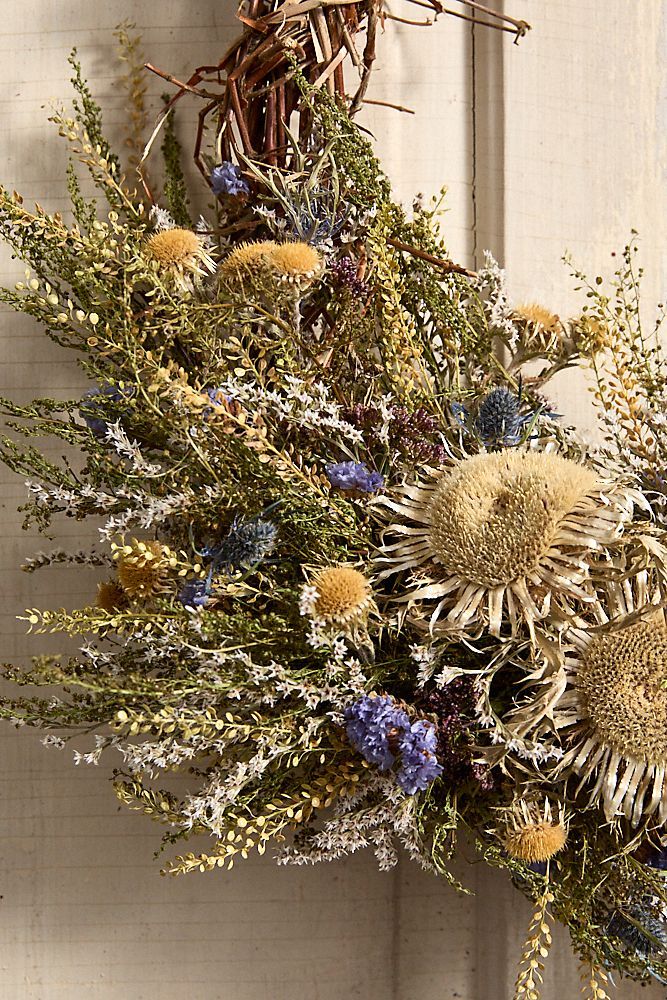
(295, 262)
(172, 247)
(343, 595)
(537, 841)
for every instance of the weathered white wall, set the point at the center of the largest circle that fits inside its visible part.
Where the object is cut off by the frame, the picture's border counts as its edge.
(565, 135)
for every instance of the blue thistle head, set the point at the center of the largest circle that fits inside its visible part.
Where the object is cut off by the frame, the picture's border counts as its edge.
(228, 179)
(641, 930)
(499, 421)
(247, 544)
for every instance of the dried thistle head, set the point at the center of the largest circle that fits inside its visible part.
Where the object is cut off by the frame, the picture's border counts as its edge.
(541, 330)
(534, 832)
(494, 530)
(144, 568)
(110, 596)
(337, 595)
(295, 263)
(181, 254)
(246, 260)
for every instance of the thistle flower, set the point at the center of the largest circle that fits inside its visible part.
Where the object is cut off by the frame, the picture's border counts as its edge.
(384, 735)
(144, 568)
(498, 419)
(339, 595)
(228, 179)
(610, 704)
(354, 476)
(181, 254)
(295, 263)
(640, 928)
(246, 260)
(533, 833)
(247, 544)
(110, 596)
(499, 529)
(543, 329)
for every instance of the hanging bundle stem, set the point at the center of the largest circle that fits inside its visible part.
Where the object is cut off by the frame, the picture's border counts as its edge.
(258, 91)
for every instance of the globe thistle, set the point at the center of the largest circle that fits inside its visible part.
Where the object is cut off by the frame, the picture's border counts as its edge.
(337, 596)
(110, 596)
(295, 263)
(247, 544)
(504, 532)
(499, 422)
(144, 568)
(354, 476)
(640, 928)
(382, 732)
(228, 179)
(534, 833)
(181, 254)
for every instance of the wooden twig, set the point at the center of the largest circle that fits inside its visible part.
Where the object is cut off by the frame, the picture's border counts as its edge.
(388, 104)
(445, 265)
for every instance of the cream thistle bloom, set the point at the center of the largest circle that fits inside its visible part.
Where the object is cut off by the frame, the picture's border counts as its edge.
(612, 712)
(295, 263)
(246, 260)
(533, 833)
(499, 534)
(338, 596)
(144, 568)
(180, 253)
(603, 694)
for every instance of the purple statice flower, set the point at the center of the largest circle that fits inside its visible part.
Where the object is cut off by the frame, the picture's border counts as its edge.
(354, 476)
(194, 593)
(418, 763)
(228, 179)
(93, 408)
(383, 734)
(344, 273)
(372, 725)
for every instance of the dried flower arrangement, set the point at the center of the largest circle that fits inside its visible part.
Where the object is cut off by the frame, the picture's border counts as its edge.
(359, 584)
